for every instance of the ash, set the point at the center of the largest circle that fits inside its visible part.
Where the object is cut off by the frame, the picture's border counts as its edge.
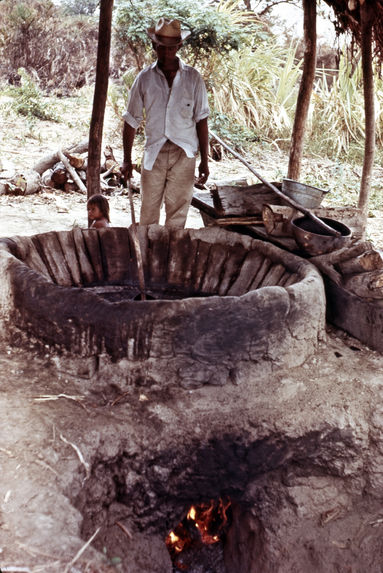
(201, 559)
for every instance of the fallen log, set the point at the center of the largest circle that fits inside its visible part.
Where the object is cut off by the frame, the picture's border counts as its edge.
(76, 161)
(47, 181)
(344, 254)
(70, 186)
(368, 284)
(72, 171)
(368, 261)
(59, 175)
(4, 187)
(277, 219)
(22, 184)
(49, 161)
(329, 263)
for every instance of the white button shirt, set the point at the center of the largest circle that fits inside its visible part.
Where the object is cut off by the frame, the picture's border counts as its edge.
(170, 113)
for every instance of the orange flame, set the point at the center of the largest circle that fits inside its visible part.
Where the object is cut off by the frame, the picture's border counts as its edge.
(206, 522)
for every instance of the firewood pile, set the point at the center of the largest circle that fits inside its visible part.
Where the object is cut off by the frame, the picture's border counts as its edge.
(66, 169)
(358, 268)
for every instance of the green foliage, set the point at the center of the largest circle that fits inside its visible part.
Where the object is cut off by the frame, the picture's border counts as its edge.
(80, 7)
(337, 119)
(230, 130)
(258, 86)
(218, 29)
(29, 101)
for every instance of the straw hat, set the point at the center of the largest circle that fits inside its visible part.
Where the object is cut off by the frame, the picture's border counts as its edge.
(167, 32)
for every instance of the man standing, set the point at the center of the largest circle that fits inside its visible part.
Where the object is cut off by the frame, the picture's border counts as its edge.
(174, 99)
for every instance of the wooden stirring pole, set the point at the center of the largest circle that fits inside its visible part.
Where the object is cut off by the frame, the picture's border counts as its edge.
(322, 225)
(137, 246)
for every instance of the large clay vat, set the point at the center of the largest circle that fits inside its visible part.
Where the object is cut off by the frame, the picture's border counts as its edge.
(226, 306)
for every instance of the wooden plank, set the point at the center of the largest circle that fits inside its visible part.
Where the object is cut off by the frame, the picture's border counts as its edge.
(273, 275)
(249, 270)
(87, 273)
(284, 278)
(215, 264)
(232, 268)
(350, 216)
(200, 265)
(51, 251)
(117, 258)
(244, 201)
(262, 271)
(293, 278)
(182, 254)
(19, 246)
(30, 255)
(92, 242)
(158, 252)
(204, 202)
(69, 250)
(226, 221)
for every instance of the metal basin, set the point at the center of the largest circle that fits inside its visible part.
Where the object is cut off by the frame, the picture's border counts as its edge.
(306, 195)
(313, 240)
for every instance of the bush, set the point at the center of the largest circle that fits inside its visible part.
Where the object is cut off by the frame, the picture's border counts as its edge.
(78, 7)
(36, 36)
(29, 101)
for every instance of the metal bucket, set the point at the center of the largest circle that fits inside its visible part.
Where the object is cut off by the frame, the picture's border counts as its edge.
(305, 195)
(311, 238)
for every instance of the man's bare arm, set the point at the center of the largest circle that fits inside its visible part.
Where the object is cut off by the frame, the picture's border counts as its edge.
(203, 140)
(128, 134)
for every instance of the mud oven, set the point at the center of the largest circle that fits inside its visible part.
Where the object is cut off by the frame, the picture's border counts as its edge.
(199, 399)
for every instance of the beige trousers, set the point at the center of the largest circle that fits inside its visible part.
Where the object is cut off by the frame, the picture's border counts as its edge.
(171, 182)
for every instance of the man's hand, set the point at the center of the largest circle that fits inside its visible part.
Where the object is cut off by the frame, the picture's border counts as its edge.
(203, 170)
(126, 171)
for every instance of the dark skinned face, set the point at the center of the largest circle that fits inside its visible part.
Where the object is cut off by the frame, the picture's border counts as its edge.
(166, 55)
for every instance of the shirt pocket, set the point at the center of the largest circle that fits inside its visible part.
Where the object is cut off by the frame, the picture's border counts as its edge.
(187, 108)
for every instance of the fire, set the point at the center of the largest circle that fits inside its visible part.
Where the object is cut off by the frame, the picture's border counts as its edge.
(175, 542)
(205, 523)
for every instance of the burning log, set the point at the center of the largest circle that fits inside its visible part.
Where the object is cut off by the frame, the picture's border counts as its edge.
(205, 525)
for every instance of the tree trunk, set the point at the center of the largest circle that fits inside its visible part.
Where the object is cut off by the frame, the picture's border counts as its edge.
(305, 89)
(367, 18)
(99, 99)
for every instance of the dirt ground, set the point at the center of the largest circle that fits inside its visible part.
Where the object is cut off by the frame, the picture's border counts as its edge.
(34, 444)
